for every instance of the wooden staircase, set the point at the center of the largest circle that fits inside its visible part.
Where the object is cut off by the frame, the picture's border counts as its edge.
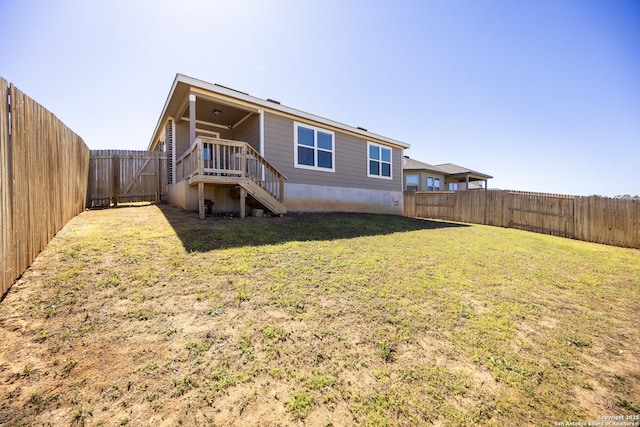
(263, 197)
(227, 162)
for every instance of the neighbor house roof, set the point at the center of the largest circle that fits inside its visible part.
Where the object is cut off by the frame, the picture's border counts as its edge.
(182, 83)
(413, 164)
(452, 169)
(448, 169)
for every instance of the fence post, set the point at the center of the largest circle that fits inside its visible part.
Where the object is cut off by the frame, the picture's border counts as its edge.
(573, 218)
(6, 253)
(158, 174)
(116, 179)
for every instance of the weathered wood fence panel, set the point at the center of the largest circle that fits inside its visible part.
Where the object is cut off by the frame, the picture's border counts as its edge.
(429, 205)
(593, 219)
(496, 204)
(542, 213)
(121, 176)
(43, 171)
(409, 204)
(609, 221)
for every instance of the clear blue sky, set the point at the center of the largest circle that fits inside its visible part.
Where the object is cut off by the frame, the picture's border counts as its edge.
(544, 95)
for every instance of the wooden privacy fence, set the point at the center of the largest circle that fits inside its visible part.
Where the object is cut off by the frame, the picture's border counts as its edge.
(43, 180)
(592, 219)
(119, 176)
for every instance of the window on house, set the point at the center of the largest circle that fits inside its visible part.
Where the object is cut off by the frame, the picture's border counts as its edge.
(433, 184)
(379, 161)
(413, 182)
(314, 148)
(453, 186)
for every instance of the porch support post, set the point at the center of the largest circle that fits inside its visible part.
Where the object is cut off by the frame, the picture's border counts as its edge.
(281, 192)
(243, 162)
(467, 181)
(192, 118)
(243, 205)
(486, 183)
(200, 157)
(261, 113)
(201, 199)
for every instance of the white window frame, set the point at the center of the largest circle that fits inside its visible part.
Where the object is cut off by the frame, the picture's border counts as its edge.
(416, 185)
(369, 159)
(315, 148)
(436, 181)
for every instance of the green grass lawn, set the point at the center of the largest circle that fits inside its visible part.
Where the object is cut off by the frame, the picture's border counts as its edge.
(147, 314)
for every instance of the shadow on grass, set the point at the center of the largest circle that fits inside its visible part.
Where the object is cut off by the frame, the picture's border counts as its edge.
(222, 233)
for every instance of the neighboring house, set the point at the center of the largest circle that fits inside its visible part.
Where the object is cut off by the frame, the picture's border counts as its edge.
(420, 176)
(232, 149)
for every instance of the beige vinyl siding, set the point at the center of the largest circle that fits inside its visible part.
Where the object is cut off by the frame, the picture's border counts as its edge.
(249, 131)
(350, 154)
(181, 137)
(278, 144)
(424, 179)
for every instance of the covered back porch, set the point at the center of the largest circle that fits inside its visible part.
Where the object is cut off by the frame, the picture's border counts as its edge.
(214, 141)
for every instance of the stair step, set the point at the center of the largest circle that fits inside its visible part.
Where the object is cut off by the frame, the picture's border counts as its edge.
(263, 197)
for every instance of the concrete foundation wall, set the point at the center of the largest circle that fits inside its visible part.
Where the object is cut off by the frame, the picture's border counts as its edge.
(318, 198)
(177, 195)
(297, 198)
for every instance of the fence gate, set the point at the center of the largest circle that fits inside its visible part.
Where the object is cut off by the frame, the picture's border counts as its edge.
(120, 176)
